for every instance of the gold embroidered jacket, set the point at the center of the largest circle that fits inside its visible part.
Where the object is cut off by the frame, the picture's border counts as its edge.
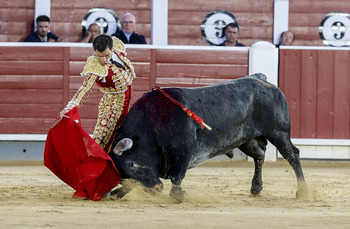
(109, 78)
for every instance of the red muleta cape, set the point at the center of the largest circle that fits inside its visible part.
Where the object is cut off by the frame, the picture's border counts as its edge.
(73, 156)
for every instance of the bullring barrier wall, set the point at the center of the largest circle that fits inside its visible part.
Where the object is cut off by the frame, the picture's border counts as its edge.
(38, 80)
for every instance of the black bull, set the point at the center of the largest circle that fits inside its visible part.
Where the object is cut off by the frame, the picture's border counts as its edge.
(165, 142)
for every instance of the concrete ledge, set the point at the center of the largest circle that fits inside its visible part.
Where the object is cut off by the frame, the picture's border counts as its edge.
(23, 147)
(21, 150)
(326, 149)
(323, 142)
(23, 137)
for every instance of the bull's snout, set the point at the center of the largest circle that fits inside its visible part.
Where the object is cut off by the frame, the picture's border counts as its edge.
(158, 187)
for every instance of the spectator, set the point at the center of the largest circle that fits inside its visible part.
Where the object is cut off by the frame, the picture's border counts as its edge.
(287, 38)
(127, 35)
(43, 33)
(91, 33)
(231, 32)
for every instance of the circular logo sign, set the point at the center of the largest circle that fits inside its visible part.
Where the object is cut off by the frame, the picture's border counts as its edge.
(105, 18)
(335, 29)
(213, 24)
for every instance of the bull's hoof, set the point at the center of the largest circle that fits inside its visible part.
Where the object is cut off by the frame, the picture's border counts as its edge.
(178, 194)
(229, 154)
(256, 189)
(303, 192)
(158, 188)
(119, 192)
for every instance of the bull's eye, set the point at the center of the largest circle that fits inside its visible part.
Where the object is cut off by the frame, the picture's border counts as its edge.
(133, 166)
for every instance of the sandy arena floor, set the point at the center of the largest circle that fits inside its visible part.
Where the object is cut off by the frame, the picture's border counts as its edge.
(218, 197)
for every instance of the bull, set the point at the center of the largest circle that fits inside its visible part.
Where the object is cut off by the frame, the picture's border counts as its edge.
(158, 140)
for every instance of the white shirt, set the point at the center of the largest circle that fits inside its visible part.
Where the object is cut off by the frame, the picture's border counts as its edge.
(128, 35)
(117, 59)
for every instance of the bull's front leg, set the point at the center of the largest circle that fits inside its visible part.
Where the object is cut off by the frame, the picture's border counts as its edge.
(177, 174)
(179, 160)
(120, 192)
(177, 193)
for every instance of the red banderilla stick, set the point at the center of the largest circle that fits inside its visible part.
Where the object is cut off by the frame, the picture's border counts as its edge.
(186, 110)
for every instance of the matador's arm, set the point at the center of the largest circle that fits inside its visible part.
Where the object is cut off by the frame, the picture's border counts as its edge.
(83, 92)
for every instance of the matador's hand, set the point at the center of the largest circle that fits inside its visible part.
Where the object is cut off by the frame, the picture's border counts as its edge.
(62, 115)
(63, 112)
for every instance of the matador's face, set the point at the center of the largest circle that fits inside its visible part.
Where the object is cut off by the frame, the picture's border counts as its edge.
(104, 56)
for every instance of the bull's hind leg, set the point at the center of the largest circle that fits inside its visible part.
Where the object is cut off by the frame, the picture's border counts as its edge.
(291, 154)
(256, 148)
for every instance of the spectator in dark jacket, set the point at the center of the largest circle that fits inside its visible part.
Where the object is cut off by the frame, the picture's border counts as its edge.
(231, 32)
(127, 35)
(43, 33)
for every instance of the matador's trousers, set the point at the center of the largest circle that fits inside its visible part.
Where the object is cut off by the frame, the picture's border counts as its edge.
(112, 109)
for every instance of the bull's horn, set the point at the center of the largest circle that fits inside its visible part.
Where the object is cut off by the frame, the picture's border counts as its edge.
(122, 145)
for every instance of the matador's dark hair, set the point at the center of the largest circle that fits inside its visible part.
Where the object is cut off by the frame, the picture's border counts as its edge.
(102, 42)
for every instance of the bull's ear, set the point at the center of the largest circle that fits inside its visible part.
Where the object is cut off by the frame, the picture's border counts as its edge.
(122, 145)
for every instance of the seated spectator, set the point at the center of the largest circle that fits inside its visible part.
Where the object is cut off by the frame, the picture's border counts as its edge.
(231, 32)
(43, 33)
(287, 38)
(127, 35)
(91, 33)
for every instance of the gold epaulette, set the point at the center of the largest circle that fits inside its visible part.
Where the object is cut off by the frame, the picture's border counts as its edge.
(119, 49)
(93, 65)
(118, 45)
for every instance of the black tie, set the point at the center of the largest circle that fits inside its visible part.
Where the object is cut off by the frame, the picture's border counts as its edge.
(117, 64)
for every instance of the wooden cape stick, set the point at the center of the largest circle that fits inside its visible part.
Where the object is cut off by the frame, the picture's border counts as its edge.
(186, 110)
(58, 120)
